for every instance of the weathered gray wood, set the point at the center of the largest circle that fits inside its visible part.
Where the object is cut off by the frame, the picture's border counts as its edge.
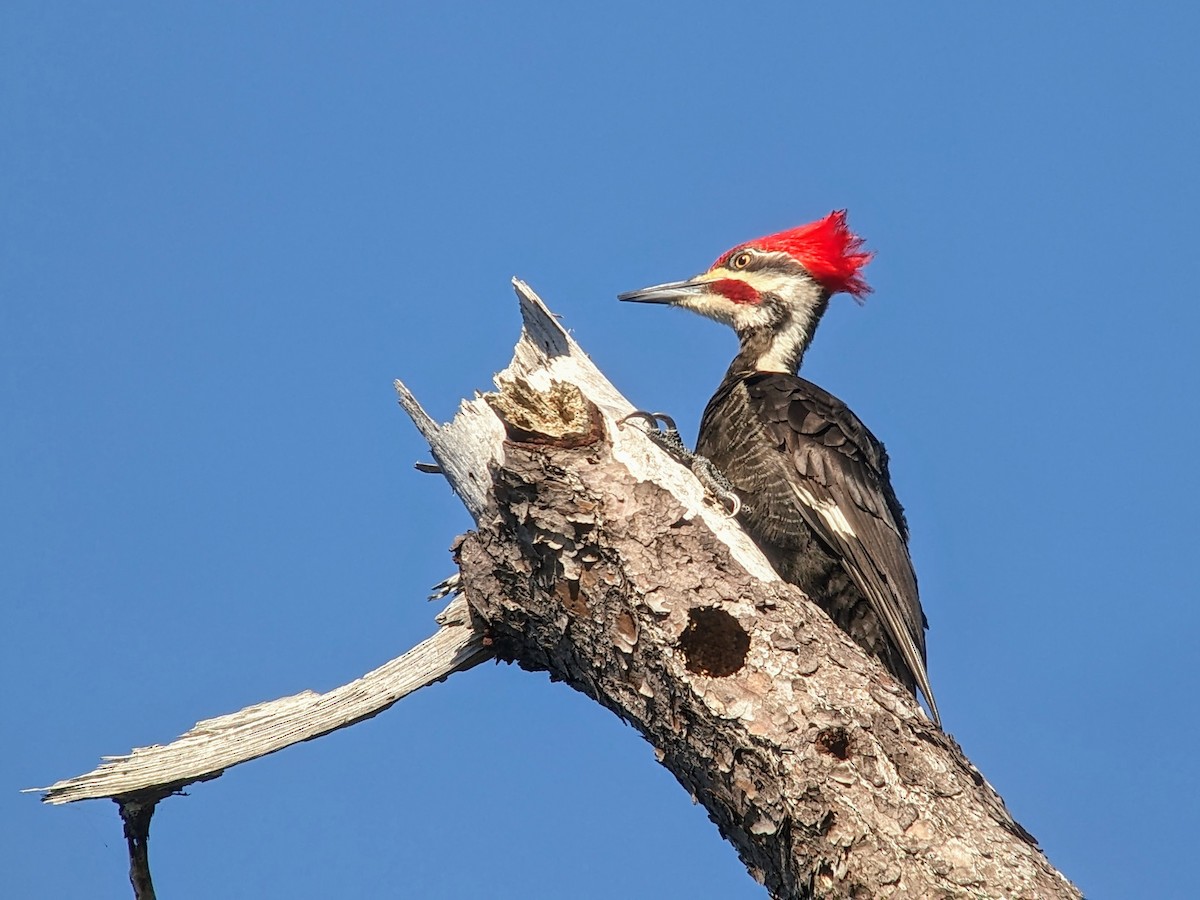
(471, 447)
(214, 745)
(600, 560)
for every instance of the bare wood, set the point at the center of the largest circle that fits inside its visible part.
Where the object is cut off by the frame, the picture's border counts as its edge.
(600, 561)
(214, 745)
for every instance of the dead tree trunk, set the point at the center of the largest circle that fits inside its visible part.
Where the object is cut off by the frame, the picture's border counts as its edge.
(599, 560)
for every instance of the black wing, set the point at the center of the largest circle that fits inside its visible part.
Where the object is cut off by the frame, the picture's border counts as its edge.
(845, 495)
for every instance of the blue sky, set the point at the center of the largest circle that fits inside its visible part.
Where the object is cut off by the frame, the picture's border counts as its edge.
(224, 230)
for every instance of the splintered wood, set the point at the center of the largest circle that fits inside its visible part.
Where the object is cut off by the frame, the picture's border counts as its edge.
(599, 559)
(214, 745)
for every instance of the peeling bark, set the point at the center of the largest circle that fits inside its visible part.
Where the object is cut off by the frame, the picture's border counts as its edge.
(811, 759)
(599, 560)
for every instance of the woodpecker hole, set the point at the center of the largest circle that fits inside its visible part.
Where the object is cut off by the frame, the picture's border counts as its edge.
(835, 742)
(713, 643)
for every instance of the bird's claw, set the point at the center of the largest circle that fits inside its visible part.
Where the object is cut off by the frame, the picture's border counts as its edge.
(717, 484)
(653, 418)
(667, 437)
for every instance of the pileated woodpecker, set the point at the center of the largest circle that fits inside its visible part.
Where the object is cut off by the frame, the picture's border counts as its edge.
(813, 481)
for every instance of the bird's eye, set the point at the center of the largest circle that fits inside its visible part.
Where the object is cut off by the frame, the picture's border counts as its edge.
(740, 260)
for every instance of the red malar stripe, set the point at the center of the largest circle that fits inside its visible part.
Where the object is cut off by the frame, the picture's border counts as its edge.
(736, 290)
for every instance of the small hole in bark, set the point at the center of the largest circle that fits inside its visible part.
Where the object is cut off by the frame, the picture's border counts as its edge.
(714, 643)
(835, 742)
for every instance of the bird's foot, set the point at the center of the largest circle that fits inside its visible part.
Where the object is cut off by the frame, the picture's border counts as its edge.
(717, 484)
(663, 432)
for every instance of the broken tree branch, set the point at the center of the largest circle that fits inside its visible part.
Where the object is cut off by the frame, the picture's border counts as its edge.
(214, 745)
(598, 559)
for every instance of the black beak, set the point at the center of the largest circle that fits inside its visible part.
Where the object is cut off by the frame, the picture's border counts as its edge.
(671, 292)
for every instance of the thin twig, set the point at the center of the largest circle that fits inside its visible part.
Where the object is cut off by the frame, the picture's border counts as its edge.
(136, 815)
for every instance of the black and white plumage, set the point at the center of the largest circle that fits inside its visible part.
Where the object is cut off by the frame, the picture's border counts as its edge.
(817, 499)
(813, 481)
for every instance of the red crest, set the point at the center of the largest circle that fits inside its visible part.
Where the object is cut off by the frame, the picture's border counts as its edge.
(827, 248)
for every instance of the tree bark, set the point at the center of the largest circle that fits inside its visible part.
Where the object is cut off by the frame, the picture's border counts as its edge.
(599, 559)
(598, 563)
